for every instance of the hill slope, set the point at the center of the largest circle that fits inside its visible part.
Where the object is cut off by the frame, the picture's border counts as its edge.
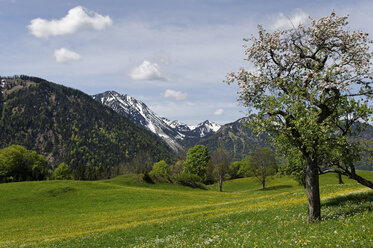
(123, 212)
(67, 125)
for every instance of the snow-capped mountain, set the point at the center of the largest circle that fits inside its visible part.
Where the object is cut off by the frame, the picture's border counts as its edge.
(205, 128)
(172, 132)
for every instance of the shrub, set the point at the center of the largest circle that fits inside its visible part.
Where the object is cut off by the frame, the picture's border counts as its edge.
(146, 178)
(239, 169)
(191, 180)
(62, 172)
(160, 172)
(245, 169)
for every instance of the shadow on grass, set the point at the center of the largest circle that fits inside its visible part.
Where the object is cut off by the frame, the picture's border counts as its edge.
(357, 198)
(59, 191)
(275, 187)
(347, 205)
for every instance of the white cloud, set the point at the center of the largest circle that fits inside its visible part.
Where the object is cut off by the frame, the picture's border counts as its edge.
(173, 94)
(219, 111)
(63, 55)
(284, 21)
(147, 71)
(77, 18)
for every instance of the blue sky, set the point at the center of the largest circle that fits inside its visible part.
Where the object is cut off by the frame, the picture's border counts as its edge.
(171, 54)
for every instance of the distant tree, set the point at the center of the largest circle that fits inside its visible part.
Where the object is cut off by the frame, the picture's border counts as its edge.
(190, 180)
(263, 164)
(196, 161)
(160, 172)
(19, 164)
(234, 167)
(239, 169)
(40, 167)
(245, 168)
(62, 172)
(220, 159)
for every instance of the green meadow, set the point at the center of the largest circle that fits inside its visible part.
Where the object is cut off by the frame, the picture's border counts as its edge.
(125, 212)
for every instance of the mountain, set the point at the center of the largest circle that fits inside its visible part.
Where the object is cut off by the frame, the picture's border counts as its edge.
(196, 133)
(140, 114)
(237, 138)
(67, 125)
(174, 133)
(204, 129)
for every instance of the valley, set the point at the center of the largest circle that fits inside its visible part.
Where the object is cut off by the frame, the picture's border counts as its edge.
(186, 124)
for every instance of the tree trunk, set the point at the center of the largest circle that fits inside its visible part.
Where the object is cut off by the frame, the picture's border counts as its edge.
(340, 178)
(263, 183)
(221, 184)
(313, 191)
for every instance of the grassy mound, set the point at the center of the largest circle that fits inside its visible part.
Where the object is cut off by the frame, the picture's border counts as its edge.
(126, 212)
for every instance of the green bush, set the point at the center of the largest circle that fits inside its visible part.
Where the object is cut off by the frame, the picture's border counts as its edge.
(62, 172)
(239, 169)
(19, 164)
(146, 178)
(191, 180)
(160, 172)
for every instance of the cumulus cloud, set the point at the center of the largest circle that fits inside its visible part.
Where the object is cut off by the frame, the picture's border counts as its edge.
(76, 19)
(284, 21)
(65, 56)
(147, 71)
(219, 111)
(173, 94)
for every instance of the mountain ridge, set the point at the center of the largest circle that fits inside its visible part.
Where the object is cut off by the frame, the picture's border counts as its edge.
(236, 137)
(172, 132)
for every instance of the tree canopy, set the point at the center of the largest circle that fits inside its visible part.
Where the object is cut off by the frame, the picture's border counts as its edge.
(160, 172)
(19, 164)
(220, 159)
(196, 161)
(310, 84)
(263, 164)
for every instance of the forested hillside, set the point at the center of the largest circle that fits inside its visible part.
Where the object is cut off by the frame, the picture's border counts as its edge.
(67, 125)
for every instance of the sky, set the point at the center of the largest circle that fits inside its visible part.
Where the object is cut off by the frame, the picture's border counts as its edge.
(171, 54)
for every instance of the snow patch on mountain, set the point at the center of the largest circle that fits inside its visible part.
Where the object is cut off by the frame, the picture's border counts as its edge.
(172, 132)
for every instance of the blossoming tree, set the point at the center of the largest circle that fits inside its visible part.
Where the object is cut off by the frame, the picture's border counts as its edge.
(310, 86)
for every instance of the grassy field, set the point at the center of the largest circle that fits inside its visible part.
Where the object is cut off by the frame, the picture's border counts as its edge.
(123, 212)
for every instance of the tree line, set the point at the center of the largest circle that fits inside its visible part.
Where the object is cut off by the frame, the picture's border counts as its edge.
(196, 170)
(199, 168)
(19, 164)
